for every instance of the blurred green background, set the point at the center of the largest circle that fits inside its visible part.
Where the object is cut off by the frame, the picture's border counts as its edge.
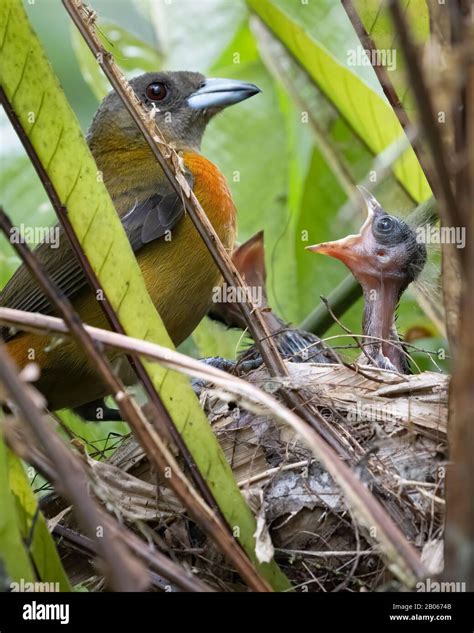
(292, 154)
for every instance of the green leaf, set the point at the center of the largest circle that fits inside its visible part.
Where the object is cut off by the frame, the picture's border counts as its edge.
(375, 17)
(321, 37)
(132, 55)
(30, 84)
(100, 440)
(33, 528)
(214, 339)
(193, 34)
(13, 554)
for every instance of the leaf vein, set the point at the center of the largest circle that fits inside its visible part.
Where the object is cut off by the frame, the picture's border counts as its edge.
(22, 74)
(55, 148)
(37, 115)
(89, 225)
(6, 27)
(104, 261)
(74, 186)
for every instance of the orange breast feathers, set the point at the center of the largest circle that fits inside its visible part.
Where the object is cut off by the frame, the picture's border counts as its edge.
(212, 191)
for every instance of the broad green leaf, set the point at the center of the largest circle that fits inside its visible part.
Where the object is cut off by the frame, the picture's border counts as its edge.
(131, 54)
(100, 440)
(375, 16)
(214, 339)
(13, 555)
(321, 37)
(193, 34)
(31, 85)
(33, 528)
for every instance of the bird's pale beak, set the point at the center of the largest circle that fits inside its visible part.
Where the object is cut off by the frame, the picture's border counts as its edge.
(352, 250)
(220, 93)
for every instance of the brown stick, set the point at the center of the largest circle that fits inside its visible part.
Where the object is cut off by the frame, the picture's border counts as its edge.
(123, 570)
(147, 435)
(367, 508)
(387, 86)
(459, 536)
(22, 446)
(382, 75)
(169, 162)
(441, 179)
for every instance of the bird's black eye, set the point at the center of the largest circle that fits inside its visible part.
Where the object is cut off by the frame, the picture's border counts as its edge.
(156, 91)
(384, 225)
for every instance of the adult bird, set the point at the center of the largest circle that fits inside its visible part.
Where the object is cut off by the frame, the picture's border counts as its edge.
(385, 257)
(178, 270)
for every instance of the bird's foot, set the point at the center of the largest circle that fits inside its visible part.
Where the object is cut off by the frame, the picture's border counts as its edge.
(229, 366)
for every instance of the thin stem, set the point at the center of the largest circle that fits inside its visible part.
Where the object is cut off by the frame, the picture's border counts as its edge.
(123, 570)
(169, 162)
(367, 509)
(61, 211)
(153, 445)
(441, 180)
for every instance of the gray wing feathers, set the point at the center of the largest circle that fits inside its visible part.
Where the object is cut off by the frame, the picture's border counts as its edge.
(152, 218)
(147, 221)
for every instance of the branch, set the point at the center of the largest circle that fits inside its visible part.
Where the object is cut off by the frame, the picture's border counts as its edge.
(122, 569)
(382, 75)
(441, 179)
(169, 162)
(148, 436)
(459, 539)
(387, 85)
(113, 531)
(405, 561)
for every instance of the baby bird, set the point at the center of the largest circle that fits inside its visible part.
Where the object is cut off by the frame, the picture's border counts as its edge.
(384, 257)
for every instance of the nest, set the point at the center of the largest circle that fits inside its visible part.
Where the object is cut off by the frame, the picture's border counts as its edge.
(394, 429)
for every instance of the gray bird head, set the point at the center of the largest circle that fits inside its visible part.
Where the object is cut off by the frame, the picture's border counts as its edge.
(182, 104)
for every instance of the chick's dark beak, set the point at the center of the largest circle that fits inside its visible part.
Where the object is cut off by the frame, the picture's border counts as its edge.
(219, 93)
